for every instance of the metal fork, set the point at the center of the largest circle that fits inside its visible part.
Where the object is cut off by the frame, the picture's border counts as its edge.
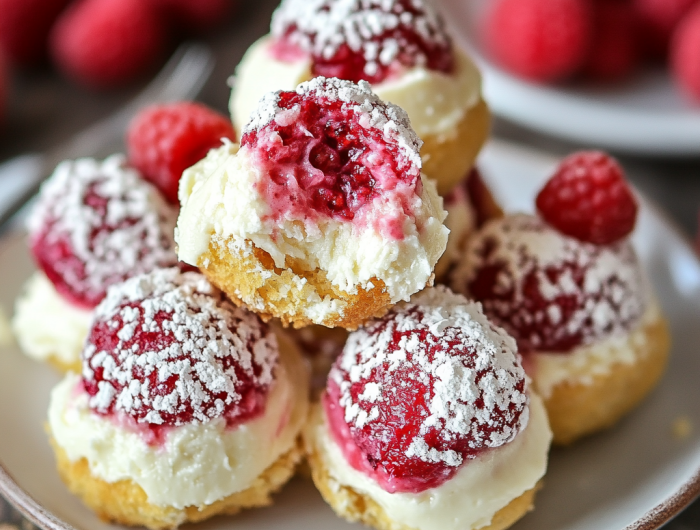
(182, 77)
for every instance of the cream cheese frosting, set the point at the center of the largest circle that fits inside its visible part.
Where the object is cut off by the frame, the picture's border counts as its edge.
(47, 326)
(225, 204)
(197, 464)
(583, 364)
(435, 101)
(469, 500)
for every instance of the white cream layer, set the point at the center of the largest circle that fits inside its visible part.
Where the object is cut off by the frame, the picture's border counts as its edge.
(220, 200)
(468, 500)
(46, 325)
(198, 464)
(461, 222)
(435, 101)
(583, 364)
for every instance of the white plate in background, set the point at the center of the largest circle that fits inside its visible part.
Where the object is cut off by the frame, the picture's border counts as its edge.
(644, 115)
(635, 476)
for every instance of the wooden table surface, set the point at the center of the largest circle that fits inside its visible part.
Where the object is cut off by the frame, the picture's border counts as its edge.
(45, 110)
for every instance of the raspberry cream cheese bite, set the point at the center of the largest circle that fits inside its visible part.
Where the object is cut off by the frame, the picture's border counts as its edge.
(322, 216)
(583, 314)
(400, 47)
(187, 406)
(96, 223)
(428, 422)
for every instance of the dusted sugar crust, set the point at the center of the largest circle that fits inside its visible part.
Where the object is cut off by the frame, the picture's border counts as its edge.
(97, 224)
(459, 376)
(322, 216)
(167, 349)
(125, 502)
(366, 40)
(551, 292)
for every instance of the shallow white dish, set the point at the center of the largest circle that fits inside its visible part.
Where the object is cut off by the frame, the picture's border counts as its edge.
(635, 476)
(644, 115)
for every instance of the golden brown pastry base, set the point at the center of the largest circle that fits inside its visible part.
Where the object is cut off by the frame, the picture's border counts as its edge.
(447, 159)
(253, 281)
(576, 409)
(354, 506)
(124, 502)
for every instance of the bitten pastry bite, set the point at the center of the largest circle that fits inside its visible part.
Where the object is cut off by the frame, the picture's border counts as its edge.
(96, 223)
(428, 422)
(322, 216)
(583, 314)
(186, 408)
(400, 47)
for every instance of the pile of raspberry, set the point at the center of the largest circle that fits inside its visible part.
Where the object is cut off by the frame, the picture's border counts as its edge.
(602, 40)
(102, 43)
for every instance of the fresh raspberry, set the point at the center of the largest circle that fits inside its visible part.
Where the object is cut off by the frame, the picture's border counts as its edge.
(552, 293)
(480, 197)
(613, 54)
(164, 140)
(103, 43)
(685, 54)
(588, 198)
(4, 82)
(195, 16)
(96, 224)
(398, 392)
(657, 20)
(543, 40)
(366, 40)
(330, 148)
(168, 349)
(24, 28)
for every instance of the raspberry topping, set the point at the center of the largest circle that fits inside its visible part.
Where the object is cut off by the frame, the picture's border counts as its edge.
(164, 140)
(421, 390)
(364, 39)
(543, 40)
(589, 199)
(96, 224)
(332, 147)
(169, 349)
(551, 292)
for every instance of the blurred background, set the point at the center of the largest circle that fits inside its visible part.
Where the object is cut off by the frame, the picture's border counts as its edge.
(622, 75)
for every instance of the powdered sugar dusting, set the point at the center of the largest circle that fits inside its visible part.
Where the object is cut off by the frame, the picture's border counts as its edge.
(550, 291)
(168, 348)
(97, 223)
(463, 376)
(373, 113)
(373, 29)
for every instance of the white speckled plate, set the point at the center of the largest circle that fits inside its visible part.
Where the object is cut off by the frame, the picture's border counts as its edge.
(636, 476)
(645, 114)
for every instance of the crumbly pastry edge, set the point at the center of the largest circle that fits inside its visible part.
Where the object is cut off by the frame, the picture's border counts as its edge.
(354, 506)
(578, 409)
(125, 502)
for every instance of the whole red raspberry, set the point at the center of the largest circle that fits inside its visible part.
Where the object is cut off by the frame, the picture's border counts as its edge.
(613, 54)
(543, 40)
(195, 16)
(685, 54)
(589, 199)
(164, 140)
(102, 43)
(657, 20)
(24, 28)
